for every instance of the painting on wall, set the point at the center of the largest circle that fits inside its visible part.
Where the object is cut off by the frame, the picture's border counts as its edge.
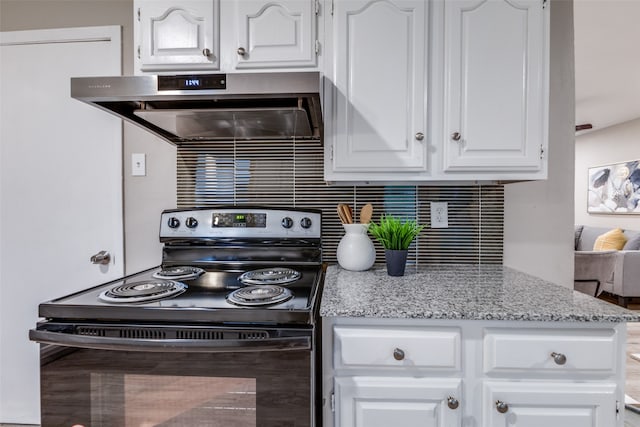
(615, 188)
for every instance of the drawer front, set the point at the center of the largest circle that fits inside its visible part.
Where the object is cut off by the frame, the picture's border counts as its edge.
(550, 350)
(437, 348)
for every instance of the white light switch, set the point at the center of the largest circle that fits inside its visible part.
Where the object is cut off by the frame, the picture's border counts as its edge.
(138, 164)
(439, 215)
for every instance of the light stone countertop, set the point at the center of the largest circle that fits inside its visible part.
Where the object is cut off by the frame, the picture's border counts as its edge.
(472, 292)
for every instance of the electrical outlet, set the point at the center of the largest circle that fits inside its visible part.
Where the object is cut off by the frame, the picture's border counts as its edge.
(138, 164)
(439, 215)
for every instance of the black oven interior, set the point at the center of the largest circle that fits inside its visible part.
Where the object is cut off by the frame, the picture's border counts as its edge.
(122, 388)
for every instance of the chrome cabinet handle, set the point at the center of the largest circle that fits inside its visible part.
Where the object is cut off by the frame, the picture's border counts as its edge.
(241, 51)
(206, 52)
(501, 406)
(419, 136)
(398, 354)
(102, 257)
(559, 358)
(456, 136)
(452, 402)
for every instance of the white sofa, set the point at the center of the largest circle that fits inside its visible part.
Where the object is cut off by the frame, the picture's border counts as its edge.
(625, 283)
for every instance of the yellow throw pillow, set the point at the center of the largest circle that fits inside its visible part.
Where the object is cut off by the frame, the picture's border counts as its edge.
(613, 239)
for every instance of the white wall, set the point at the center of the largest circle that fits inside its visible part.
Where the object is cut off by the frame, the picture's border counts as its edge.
(539, 215)
(612, 144)
(144, 197)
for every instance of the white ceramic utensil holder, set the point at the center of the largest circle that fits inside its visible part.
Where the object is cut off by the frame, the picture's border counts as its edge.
(355, 250)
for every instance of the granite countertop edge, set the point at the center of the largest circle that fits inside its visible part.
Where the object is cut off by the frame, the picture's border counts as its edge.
(460, 292)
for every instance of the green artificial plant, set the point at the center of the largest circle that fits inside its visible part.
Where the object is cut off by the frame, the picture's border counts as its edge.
(394, 233)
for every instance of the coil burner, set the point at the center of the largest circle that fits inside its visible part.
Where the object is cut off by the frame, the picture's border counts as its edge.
(143, 291)
(270, 276)
(179, 273)
(259, 295)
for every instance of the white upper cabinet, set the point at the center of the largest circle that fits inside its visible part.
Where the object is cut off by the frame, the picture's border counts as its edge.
(178, 36)
(452, 90)
(376, 113)
(276, 34)
(174, 35)
(495, 87)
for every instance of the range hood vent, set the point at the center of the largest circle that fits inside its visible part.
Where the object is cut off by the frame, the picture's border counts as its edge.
(209, 107)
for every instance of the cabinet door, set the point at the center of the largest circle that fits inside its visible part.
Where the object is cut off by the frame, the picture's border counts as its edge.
(177, 36)
(496, 85)
(379, 53)
(272, 34)
(406, 402)
(549, 404)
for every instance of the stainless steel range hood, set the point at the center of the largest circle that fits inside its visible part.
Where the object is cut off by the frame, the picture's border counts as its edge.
(205, 107)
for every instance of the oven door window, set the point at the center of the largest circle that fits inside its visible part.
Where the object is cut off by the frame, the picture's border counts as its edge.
(83, 387)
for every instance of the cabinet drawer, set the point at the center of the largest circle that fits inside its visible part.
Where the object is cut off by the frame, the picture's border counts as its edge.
(397, 347)
(550, 350)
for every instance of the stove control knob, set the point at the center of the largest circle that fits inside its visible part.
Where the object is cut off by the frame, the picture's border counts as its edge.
(287, 222)
(191, 222)
(305, 222)
(173, 222)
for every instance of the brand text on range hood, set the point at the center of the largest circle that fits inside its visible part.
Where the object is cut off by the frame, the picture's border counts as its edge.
(205, 107)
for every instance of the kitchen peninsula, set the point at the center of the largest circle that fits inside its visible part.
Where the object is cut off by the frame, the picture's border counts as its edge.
(469, 345)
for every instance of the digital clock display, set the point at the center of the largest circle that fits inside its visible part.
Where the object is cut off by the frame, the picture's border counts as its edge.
(248, 220)
(193, 82)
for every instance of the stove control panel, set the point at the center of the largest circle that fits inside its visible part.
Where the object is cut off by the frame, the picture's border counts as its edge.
(240, 223)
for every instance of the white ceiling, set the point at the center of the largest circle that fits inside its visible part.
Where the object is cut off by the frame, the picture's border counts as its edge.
(607, 61)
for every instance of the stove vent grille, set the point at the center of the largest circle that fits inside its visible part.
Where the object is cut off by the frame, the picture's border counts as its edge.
(143, 333)
(170, 333)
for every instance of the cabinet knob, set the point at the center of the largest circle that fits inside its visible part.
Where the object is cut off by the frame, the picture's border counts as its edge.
(559, 358)
(456, 136)
(452, 402)
(241, 51)
(398, 354)
(206, 52)
(419, 136)
(501, 406)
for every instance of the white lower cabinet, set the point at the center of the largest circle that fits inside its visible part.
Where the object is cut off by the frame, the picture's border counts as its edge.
(397, 401)
(468, 373)
(549, 404)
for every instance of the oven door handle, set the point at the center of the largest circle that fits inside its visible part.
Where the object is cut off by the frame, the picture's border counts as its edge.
(171, 345)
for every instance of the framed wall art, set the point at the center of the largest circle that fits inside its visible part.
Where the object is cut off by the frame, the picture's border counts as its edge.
(615, 188)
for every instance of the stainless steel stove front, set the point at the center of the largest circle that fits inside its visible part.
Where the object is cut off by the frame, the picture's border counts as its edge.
(194, 358)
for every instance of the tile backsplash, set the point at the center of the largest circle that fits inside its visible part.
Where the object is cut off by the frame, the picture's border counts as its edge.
(288, 173)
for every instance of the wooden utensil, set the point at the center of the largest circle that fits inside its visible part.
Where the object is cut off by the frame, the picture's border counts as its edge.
(349, 213)
(343, 218)
(366, 213)
(345, 213)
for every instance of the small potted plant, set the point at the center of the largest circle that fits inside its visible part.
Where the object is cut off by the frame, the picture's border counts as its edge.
(395, 235)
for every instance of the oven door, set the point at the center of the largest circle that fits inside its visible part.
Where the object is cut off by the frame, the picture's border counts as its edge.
(214, 377)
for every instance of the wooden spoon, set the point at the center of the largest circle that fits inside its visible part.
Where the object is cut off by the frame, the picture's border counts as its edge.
(349, 212)
(366, 213)
(343, 219)
(344, 212)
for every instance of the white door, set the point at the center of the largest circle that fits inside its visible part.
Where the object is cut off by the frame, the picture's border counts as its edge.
(379, 50)
(522, 404)
(389, 401)
(495, 57)
(60, 190)
(274, 34)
